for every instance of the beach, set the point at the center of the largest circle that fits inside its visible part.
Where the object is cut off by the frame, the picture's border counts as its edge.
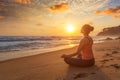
(50, 66)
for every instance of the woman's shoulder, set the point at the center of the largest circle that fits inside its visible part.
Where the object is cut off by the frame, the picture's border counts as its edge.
(86, 39)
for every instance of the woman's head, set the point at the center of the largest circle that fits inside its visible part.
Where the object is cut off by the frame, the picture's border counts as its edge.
(86, 29)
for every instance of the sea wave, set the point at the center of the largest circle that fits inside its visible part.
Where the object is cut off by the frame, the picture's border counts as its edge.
(18, 38)
(24, 43)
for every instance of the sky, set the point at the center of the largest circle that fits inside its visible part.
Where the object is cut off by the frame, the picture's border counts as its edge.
(51, 17)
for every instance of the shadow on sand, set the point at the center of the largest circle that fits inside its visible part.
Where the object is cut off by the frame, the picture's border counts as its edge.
(91, 73)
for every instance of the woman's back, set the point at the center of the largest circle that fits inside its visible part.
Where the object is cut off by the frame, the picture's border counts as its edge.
(86, 51)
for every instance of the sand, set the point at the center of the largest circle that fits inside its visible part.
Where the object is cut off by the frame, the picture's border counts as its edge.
(50, 66)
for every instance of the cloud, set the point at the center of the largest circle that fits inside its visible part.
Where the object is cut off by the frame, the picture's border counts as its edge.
(23, 1)
(39, 24)
(39, 16)
(1, 17)
(114, 12)
(60, 7)
(116, 16)
(2, 4)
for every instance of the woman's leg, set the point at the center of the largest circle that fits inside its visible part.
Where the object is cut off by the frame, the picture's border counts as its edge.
(78, 62)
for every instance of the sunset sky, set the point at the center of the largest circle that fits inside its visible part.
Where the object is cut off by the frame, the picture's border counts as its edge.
(52, 17)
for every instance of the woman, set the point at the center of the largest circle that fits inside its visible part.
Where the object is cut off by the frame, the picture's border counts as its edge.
(85, 57)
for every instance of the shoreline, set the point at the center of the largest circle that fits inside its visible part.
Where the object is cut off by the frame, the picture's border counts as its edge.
(44, 53)
(30, 52)
(21, 54)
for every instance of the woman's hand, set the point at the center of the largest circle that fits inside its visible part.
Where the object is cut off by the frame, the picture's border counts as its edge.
(64, 56)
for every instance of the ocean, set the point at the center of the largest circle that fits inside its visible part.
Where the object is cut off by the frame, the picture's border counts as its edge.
(20, 46)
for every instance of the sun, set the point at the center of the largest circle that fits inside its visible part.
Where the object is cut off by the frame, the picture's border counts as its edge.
(70, 28)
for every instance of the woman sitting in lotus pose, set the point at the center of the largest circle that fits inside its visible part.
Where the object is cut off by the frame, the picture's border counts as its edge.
(85, 57)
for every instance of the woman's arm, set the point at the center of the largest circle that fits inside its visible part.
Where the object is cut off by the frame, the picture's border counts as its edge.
(70, 55)
(81, 45)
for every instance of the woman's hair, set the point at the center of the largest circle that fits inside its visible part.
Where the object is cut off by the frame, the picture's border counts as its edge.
(87, 28)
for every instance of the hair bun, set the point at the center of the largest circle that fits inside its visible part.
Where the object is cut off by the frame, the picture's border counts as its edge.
(88, 27)
(91, 28)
